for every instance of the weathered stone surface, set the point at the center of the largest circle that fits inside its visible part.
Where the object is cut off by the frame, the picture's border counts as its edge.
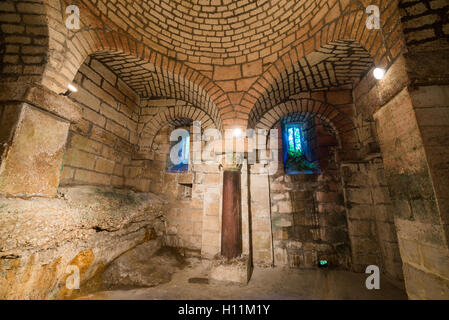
(41, 97)
(31, 163)
(425, 285)
(146, 265)
(236, 271)
(86, 227)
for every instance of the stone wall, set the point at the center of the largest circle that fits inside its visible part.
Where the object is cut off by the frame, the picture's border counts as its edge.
(409, 151)
(370, 218)
(101, 144)
(183, 191)
(86, 227)
(308, 216)
(260, 216)
(23, 40)
(32, 148)
(421, 234)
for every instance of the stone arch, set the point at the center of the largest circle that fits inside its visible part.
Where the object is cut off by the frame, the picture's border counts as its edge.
(174, 114)
(176, 77)
(342, 124)
(98, 33)
(333, 65)
(382, 46)
(150, 81)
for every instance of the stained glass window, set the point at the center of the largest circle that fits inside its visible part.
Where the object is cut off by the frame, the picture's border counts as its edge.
(186, 151)
(183, 153)
(296, 154)
(294, 139)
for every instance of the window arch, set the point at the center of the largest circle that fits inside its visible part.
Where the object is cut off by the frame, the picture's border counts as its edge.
(178, 159)
(298, 157)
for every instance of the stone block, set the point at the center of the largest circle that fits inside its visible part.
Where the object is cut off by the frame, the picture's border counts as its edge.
(424, 285)
(237, 271)
(32, 163)
(436, 259)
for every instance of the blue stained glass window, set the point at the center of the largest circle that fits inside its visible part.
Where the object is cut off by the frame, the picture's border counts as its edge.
(186, 151)
(294, 139)
(183, 154)
(291, 142)
(296, 153)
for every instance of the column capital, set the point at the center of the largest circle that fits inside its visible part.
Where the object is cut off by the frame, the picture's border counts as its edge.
(232, 167)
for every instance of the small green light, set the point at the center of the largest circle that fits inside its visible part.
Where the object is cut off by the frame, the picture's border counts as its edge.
(323, 262)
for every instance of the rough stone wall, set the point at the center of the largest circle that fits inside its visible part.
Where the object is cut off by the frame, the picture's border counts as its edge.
(32, 150)
(427, 36)
(417, 216)
(308, 216)
(431, 105)
(369, 204)
(185, 214)
(9, 117)
(408, 150)
(370, 218)
(86, 227)
(101, 144)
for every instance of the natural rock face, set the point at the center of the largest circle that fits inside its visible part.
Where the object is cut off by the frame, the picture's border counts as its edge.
(147, 265)
(86, 227)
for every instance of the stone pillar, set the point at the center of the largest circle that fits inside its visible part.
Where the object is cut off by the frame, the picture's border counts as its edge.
(261, 232)
(231, 235)
(35, 123)
(206, 185)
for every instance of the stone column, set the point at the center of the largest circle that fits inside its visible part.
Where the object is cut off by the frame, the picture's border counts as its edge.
(261, 232)
(231, 235)
(35, 123)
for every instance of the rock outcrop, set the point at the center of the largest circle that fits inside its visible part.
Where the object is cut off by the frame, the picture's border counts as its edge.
(45, 242)
(147, 265)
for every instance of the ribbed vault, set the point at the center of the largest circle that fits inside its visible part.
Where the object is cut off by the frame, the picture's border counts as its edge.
(335, 64)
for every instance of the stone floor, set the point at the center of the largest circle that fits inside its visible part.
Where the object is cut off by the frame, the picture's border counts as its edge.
(273, 284)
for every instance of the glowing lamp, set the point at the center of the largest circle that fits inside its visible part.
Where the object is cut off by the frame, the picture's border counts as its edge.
(379, 73)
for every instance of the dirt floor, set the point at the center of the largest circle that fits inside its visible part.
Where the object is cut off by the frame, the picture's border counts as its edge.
(191, 283)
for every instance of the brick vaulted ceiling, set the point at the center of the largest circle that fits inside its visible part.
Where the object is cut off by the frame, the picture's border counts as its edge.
(148, 81)
(209, 34)
(227, 56)
(204, 33)
(218, 31)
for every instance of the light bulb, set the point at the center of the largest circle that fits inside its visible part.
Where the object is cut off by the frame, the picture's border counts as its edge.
(72, 88)
(237, 132)
(379, 73)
